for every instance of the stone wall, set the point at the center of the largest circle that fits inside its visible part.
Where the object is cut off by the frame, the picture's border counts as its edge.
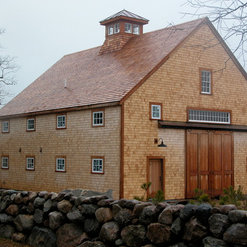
(89, 219)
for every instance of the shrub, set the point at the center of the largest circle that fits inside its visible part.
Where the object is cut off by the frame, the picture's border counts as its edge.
(232, 196)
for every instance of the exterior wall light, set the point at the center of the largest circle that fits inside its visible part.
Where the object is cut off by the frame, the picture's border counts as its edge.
(162, 144)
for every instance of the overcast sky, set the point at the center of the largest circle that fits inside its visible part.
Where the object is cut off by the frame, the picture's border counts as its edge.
(40, 32)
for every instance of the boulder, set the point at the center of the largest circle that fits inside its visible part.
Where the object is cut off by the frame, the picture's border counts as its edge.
(18, 198)
(103, 215)
(43, 194)
(39, 202)
(75, 216)
(236, 234)
(38, 216)
(238, 216)
(4, 218)
(12, 209)
(158, 233)
(19, 237)
(55, 219)
(105, 202)
(225, 209)
(187, 212)
(203, 212)
(180, 244)
(218, 223)
(88, 209)
(123, 217)
(42, 237)
(213, 242)
(139, 207)
(6, 231)
(48, 206)
(70, 235)
(130, 204)
(64, 206)
(91, 226)
(194, 231)
(149, 215)
(167, 215)
(109, 232)
(134, 235)
(23, 222)
(176, 226)
(32, 196)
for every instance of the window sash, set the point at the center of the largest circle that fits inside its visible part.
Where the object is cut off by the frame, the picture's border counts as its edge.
(127, 28)
(61, 121)
(116, 28)
(31, 124)
(60, 164)
(98, 118)
(30, 163)
(110, 30)
(206, 81)
(204, 116)
(97, 165)
(5, 126)
(136, 29)
(156, 111)
(5, 162)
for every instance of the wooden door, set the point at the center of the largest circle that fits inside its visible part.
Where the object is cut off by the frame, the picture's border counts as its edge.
(155, 176)
(209, 161)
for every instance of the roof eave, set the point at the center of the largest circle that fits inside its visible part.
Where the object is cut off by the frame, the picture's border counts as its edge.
(118, 18)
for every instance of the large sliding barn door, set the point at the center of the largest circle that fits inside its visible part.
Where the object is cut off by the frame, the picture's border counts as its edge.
(209, 161)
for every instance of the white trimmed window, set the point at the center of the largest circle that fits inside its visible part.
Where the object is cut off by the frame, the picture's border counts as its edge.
(97, 165)
(30, 163)
(136, 29)
(110, 30)
(60, 164)
(98, 118)
(5, 126)
(116, 28)
(209, 116)
(61, 121)
(5, 162)
(155, 111)
(128, 28)
(206, 81)
(30, 124)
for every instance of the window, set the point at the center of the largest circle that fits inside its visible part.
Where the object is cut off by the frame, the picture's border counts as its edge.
(61, 121)
(110, 30)
(206, 81)
(30, 124)
(5, 162)
(155, 110)
(116, 28)
(128, 28)
(98, 118)
(30, 163)
(98, 165)
(206, 116)
(5, 127)
(136, 29)
(60, 164)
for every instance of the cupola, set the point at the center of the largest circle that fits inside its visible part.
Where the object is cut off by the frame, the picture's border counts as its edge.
(119, 28)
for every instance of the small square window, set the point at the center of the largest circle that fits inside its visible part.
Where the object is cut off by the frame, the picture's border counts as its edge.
(30, 124)
(30, 163)
(155, 111)
(136, 29)
(128, 28)
(61, 121)
(97, 165)
(5, 127)
(5, 162)
(206, 81)
(110, 30)
(60, 164)
(98, 118)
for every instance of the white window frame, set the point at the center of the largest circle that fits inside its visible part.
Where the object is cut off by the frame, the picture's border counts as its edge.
(110, 30)
(58, 168)
(5, 126)
(28, 120)
(127, 27)
(95, 113)
(5, 160)
(63, 126)
(206, 81)
(152, 111)
(116, 28)
(30, 163)
(136, 29)
(96, 166)
(207, 116)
